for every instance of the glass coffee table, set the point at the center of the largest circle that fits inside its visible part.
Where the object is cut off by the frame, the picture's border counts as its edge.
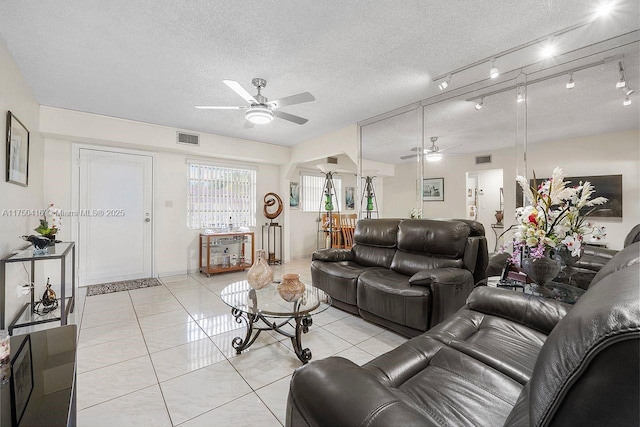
(264, 309)
(552, 290)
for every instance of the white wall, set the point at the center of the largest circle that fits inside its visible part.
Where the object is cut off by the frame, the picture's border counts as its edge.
(16, 96)
(175, 246)
(617, 153)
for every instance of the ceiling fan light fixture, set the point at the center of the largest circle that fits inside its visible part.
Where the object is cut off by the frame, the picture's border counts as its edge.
(479, 104)
(433, 157)
(494, 73)
(259, 115)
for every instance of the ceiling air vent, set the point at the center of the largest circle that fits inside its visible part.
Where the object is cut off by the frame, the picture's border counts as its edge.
(483, 159)
(188, 138)
(332, 160)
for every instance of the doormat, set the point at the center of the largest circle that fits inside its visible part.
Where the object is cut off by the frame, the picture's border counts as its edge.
(125, 285)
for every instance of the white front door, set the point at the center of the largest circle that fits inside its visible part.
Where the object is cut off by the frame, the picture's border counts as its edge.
(115, 216)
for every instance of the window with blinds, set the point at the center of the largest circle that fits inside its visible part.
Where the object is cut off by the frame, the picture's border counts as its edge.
(312, 192)
(220, 195)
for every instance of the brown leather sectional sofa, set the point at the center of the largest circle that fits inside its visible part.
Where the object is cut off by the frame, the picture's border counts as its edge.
(406, 275)
(505, 359)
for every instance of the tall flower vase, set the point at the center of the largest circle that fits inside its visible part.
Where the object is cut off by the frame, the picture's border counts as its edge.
(542, 270)
(260, 274)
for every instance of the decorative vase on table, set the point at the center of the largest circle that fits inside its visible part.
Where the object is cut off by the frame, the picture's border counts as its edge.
(260, 274)
(291, 288)
(566, 257)
(542, 270)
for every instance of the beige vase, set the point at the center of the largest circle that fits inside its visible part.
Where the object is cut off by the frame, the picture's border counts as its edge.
(260, 274)
(291, 288)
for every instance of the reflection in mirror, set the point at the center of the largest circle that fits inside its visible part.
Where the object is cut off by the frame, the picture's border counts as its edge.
(389, 152)
(591, 131)
(476, 134)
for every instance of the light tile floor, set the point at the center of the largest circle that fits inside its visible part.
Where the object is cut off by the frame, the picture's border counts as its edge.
(162, 356)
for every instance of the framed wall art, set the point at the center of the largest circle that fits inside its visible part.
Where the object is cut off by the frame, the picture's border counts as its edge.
(350, 198)
(433, 189)
(294, 195)
(17, 151)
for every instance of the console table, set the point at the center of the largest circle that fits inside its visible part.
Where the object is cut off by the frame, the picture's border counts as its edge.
(27, 317)
(216, 250)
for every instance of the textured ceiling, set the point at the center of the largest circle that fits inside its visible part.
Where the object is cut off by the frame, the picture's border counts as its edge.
(153, 61)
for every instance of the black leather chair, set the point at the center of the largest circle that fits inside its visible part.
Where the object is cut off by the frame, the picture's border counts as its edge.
(506, 358)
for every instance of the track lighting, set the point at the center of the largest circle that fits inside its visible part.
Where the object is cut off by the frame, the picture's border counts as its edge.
(570, 84)
(627, 101)
(494, 72)
(479, 104)
(621, 82)
(628, 91)
(520, 97)
(445, 83)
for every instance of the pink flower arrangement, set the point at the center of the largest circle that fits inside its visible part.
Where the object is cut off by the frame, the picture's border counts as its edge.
(552, 216)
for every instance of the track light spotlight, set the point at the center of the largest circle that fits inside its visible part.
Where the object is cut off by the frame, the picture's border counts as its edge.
(628, 91)
(480, 104)
(520, 97)
(445, 83)
(621, 82)
(494, 72)
(627, 101)
(570, 84)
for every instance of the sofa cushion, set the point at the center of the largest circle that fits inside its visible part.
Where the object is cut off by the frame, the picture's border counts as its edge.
(338, 279)
(506, 346)
(389, 295)
(374, 242)
(626, 257)
(409, 263)
(371, 256)
(447, 386)
(445, 239)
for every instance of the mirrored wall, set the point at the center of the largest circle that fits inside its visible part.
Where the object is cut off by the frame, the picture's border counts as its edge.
(456, 155)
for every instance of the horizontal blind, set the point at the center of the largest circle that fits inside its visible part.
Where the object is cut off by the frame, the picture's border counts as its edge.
(221, 195)
(312, 192)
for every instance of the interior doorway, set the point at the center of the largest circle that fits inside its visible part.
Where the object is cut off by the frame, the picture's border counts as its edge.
(485, 202)
(115, 215)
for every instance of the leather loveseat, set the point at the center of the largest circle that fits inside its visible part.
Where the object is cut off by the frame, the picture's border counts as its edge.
(406, 275)
(505, 359)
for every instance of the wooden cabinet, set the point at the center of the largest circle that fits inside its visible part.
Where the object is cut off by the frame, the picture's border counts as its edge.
(224, 252)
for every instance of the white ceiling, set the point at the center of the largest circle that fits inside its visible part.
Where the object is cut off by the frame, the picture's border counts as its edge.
(153, 61)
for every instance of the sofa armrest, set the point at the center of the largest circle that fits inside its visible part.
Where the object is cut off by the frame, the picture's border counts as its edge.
(317, 397)
(333, 255)
(537, 313)
(604, 253)
(450, 288)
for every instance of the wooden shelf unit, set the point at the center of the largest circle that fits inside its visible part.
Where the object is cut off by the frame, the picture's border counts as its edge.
(236, 242)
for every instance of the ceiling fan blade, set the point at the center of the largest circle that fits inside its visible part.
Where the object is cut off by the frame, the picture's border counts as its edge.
(290, 117)
(449, 148)
(212, 107)
(410, 156)
(292, 100)
(237, 88)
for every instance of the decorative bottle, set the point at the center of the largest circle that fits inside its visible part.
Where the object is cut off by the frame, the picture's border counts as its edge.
(291, 288)
(260, 274)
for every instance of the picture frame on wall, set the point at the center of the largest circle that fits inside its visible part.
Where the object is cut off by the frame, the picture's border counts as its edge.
(433, 189)
(21, 380)
(294, 195)
(350, 198)
(17, 151)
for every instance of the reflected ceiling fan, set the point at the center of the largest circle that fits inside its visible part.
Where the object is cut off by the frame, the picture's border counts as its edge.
(260, 110)
(432, 154)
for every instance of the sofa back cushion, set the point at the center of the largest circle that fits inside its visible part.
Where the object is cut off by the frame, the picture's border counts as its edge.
(374, 242)
(587, 371)
(424, 244)
(626, 257)
(633, 236)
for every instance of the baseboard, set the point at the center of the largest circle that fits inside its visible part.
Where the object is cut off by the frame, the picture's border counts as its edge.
(173, 273)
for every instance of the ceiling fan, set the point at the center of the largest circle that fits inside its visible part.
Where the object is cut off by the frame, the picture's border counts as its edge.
(432, 154)
(260, 110)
